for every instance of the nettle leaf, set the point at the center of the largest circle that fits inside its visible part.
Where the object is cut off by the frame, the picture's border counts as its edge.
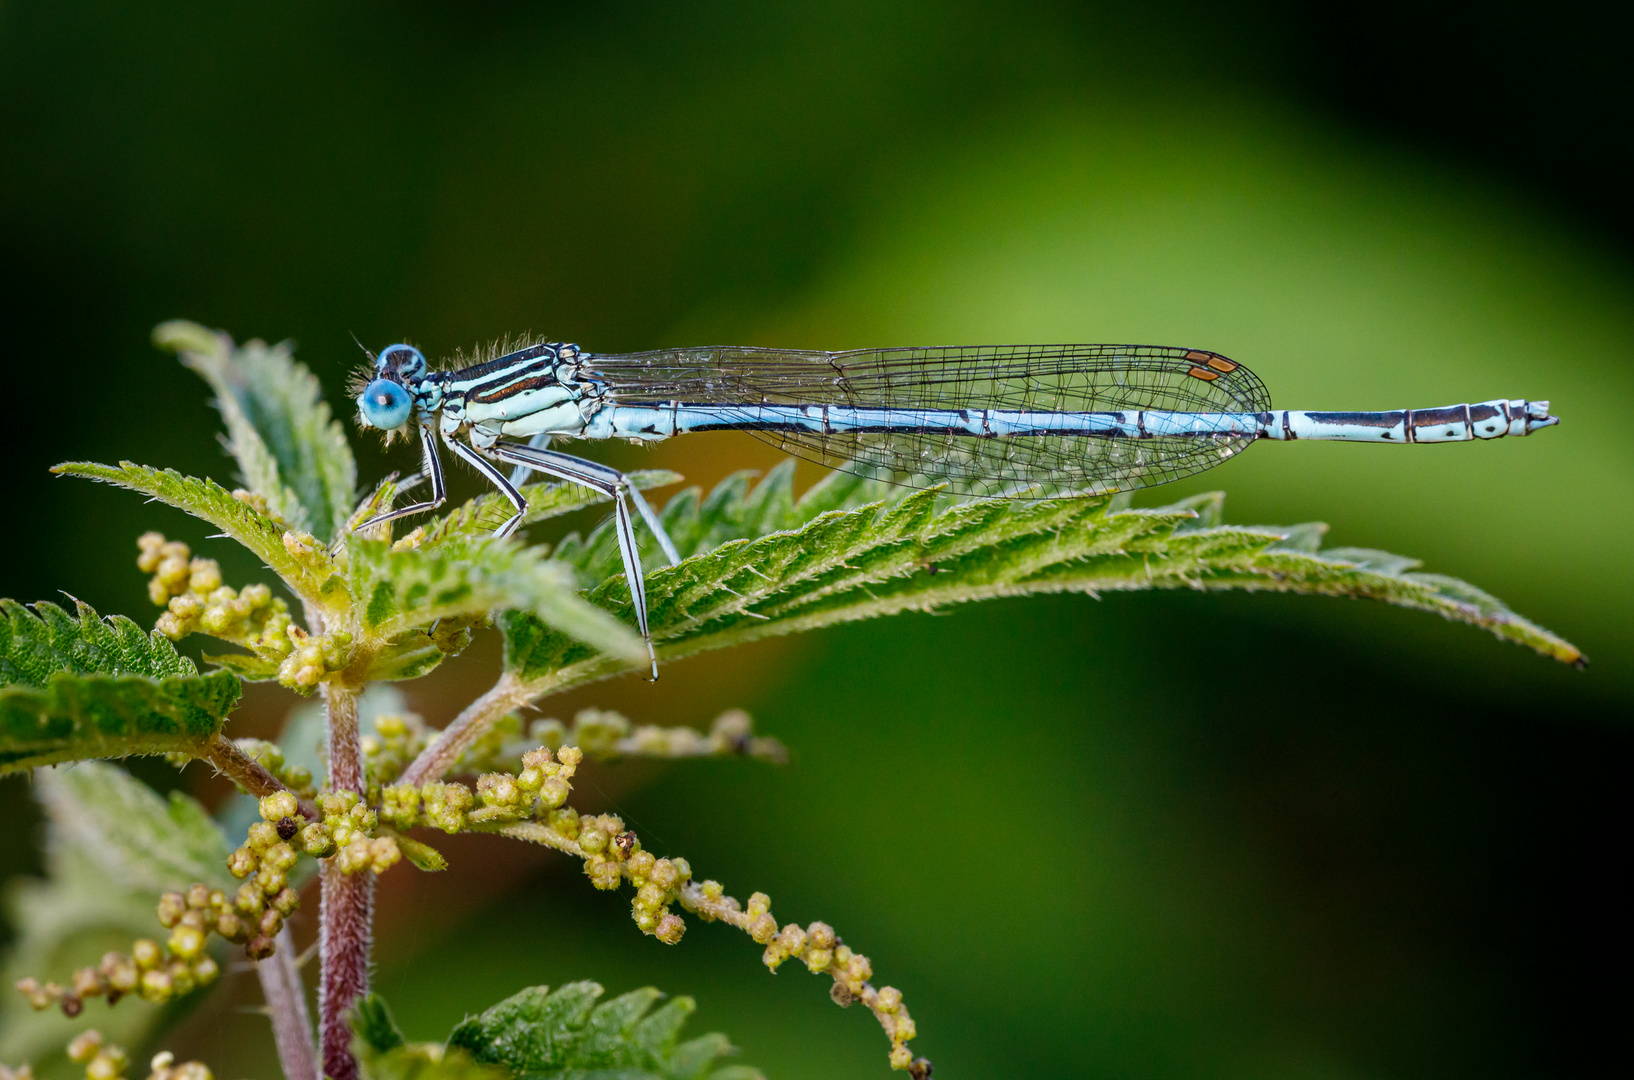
(561, 1034)
(303, 564)
(74, 687)
(286, 441)
(113, 846)
(736, 509)
(400, 591)
(488, 511)
(150, 842)
(923, 552)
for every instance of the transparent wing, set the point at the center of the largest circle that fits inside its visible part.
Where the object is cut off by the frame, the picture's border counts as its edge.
(1047, 378)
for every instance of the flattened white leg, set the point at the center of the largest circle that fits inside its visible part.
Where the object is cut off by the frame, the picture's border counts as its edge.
(432, 466)
(497, 478)
(520, 474)
(609, 482)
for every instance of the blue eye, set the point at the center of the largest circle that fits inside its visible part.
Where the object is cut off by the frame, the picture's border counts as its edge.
(384, 405)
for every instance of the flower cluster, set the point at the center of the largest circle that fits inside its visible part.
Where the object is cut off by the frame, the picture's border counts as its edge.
(604, 735)
(152, 971)
(105, 1061)
(819, 948)
(196, 601)
(541, 786)
(346, 829)
(263, 863)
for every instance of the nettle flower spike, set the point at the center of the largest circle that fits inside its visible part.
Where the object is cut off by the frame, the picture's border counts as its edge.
(196, 601)
(154, 972)
(105, 1061)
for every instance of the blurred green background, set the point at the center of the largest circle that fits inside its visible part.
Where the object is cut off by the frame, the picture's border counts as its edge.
(1150, 836)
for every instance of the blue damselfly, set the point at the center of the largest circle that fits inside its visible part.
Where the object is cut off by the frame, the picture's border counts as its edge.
(1005, 421)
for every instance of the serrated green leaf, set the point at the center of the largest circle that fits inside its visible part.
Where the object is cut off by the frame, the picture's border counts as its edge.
(151, 842)
(80, 686)
(548, 1035)
(402, 591)
(922, 552)
(113, 846)
(373, 1023)
(735, 510)
(308, 571)
(288, 444)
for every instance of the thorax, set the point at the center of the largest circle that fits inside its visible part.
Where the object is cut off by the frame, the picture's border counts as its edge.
(543, 388)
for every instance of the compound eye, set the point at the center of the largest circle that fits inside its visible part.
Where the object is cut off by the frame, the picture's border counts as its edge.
(384, 405)
(402, 361)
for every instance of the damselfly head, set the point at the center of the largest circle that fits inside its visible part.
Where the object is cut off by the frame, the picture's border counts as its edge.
(384, 404)
(401, 363)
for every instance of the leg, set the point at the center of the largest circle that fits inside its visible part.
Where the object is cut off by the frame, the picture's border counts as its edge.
(609, 482)
(610, 475)
(520, 474)
(432, 466)
(495, 477)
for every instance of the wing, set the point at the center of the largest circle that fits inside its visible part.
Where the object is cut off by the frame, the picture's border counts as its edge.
(1045, 378)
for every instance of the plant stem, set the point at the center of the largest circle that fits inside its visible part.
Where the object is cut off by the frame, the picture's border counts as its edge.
(286, 1006)
(250, 775)
(347, 909)
(470, 725)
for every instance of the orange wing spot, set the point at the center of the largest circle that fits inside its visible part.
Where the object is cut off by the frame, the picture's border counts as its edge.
(1197, 357)
(1220, 363)
(1203, 373)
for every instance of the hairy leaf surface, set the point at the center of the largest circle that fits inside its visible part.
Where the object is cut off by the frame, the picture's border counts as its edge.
(112, 847)
(287, 443)
(402, 590)
(304, 566)
(79, 686)
(920, 553)
(562, 1034)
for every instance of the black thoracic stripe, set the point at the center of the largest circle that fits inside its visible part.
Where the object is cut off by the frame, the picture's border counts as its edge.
(500, 389)
(502, 363)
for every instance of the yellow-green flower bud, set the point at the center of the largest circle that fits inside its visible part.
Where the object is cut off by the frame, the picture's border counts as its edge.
(316, 841)
(250, 900)
(231, 927)
(146, 953)
(280, 804)
(287, 902)
(603, 874)
(759, 904)
(205, 971)
(156, 986)
(280, 857)
(109, 1064)
(355, 856)
(172, 906)
(670, 929)
(565, 821)
(242, 863)
(262, 835)
(186, 942)
(85, 1046)
(553, 792)
(763, 929)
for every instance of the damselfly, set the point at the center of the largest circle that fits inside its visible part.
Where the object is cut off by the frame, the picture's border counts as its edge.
(1005, 421)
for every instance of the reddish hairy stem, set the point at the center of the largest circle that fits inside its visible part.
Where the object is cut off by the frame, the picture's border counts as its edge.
(286, 1006)
(250, 775)
(347, 911)
(506, 695)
